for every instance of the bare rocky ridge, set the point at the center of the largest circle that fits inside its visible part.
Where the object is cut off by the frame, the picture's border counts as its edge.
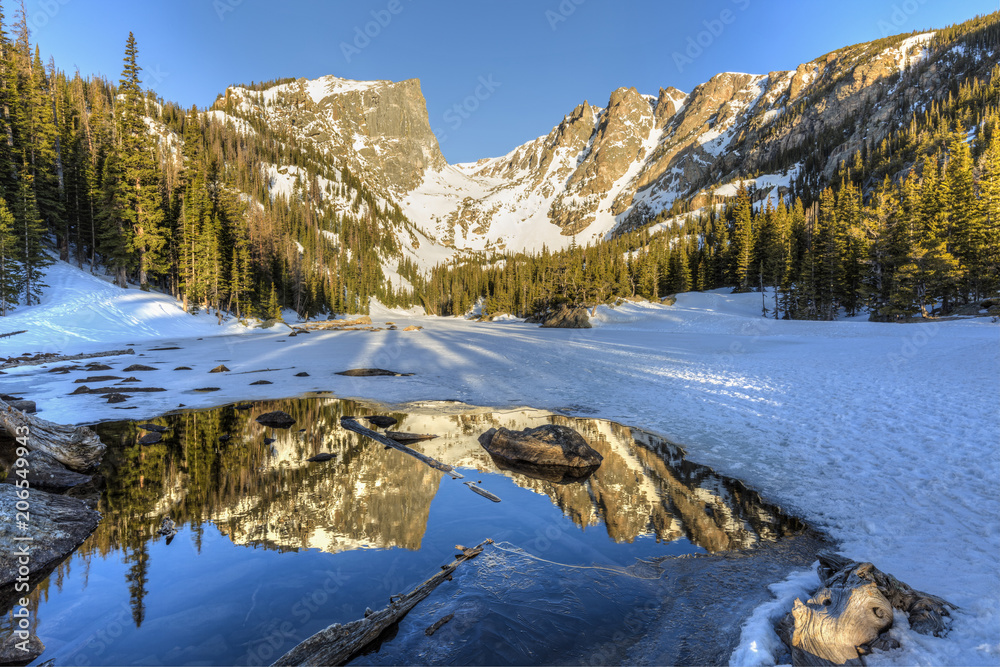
(602, 170)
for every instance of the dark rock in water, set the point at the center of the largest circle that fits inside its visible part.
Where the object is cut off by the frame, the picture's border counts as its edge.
(303, 374)
(84, 389)
(22, 405)
(117, 398)
(58, 525)
(548, 445)
(371, 372)
(225, 437)
(567, 318)
(221, 368)
(164, 349)
(12, 649)
(167, 528)
(97, 367)
(155, 428)
(276, 419)
(319, 458)
(268, 441)
(183, 368)
(204, 389)
(382, 421)
(130, 379)
(150, 438)
(243, 406)
(138, 367)
(47, 474)
(261, 382)
(97, 378)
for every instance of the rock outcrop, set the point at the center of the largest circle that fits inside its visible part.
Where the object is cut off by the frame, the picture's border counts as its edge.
(550, 446)
(567, 318)
(58, 524)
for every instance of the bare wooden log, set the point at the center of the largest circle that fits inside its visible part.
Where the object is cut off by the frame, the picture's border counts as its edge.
(34, 361)
(77, 448)
(351, 424)
(483, 492)
(13, 333)
(846, 618)
(337, 644)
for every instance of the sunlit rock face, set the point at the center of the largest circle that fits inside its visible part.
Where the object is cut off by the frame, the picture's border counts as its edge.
(602, 169)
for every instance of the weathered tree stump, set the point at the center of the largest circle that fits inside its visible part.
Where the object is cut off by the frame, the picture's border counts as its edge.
(847, 618)
(77, 448)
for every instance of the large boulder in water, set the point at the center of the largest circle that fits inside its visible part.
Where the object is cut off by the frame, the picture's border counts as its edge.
(58, 525)
(551, 445)
(567, 318)
(276, 419)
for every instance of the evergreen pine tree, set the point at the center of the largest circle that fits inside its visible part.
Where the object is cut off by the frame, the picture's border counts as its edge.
(10, 269)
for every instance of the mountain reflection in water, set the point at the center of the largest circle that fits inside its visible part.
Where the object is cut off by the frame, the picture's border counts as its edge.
(644, 502)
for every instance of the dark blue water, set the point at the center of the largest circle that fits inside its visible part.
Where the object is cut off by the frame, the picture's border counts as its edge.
(272, 549)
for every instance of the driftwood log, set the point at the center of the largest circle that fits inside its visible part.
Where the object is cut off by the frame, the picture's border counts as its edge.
(77, 448)
(351, 424)
(33, 361)
(846, 618)
(338, 643)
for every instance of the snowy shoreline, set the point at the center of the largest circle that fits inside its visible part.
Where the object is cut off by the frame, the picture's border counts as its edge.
(884, 436)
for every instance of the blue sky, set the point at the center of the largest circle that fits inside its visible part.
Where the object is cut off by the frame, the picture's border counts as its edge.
(540, 58)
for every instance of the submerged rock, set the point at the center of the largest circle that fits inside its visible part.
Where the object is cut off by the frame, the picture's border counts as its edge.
(547, 445)
(59, 524)
(321, 457)
(381, 421)
(155, 428)
(150, 438)
(276, 419)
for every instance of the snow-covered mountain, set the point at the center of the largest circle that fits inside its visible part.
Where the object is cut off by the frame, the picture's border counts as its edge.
(605, 169)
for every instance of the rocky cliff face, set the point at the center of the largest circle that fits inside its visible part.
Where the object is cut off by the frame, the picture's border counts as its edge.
(379, 128)
(602, 170)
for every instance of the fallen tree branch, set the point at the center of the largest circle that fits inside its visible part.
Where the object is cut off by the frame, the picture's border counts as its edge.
(77, 448)
(351, 424)
(13, 333)
(338, 643)
(34, 361)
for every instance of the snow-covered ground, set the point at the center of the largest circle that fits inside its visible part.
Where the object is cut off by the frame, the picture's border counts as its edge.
(885, 436)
